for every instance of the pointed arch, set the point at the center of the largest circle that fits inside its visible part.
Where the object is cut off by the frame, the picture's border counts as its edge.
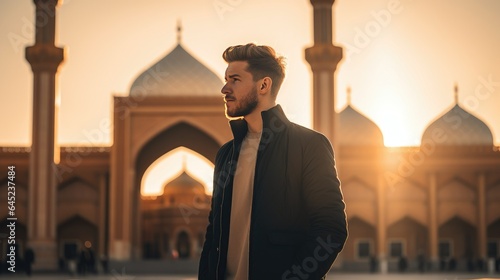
(457, 198)
(154, 127)
(166, 168)
(180, 134)
(78, 198)
(407, 199)
(456, 180)
(412, 232)
(462, 235)
(360, 231)
(78, 228)
(361, 199)
(74, 179)
(361, 227)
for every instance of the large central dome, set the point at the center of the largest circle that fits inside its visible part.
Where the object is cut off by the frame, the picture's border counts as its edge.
(177, 74)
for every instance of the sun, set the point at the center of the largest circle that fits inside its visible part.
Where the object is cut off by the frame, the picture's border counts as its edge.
(394, 126)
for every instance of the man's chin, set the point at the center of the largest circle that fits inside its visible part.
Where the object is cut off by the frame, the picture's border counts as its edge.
(232, 115)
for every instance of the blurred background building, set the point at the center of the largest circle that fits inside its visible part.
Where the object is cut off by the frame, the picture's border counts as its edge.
(437, 204)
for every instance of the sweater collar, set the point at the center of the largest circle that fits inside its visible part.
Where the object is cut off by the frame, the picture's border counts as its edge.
(273, 120)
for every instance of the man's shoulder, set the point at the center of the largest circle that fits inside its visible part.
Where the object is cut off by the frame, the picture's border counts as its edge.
(306, 133)
(224, 149)
(226, 145)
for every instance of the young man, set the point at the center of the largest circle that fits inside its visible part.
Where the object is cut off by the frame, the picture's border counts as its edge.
(277, 208)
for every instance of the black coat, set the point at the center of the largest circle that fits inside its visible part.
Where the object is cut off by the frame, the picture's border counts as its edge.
(298, 223)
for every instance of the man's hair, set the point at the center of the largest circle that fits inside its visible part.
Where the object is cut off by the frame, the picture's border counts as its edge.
(262, 62)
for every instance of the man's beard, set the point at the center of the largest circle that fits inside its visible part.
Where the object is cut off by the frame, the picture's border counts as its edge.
(246, 105)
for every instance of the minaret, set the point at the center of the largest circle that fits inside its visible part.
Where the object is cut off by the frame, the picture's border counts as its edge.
(323, 57)
(44, 58)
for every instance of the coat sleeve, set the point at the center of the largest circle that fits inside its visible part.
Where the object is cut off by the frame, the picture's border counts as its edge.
(203, 269)
(324, 207)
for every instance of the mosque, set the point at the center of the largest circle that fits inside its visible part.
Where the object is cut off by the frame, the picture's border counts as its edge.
(436, 202)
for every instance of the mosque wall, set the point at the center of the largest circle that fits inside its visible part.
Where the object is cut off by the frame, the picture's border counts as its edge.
(83, 187)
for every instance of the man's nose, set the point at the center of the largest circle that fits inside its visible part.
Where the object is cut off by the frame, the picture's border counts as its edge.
(224, 89)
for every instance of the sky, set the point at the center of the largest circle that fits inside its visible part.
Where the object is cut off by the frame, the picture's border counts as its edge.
(402, 58)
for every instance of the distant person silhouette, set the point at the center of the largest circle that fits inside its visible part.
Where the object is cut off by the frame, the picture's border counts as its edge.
(29, 259)
(402, 264)
(373, 264)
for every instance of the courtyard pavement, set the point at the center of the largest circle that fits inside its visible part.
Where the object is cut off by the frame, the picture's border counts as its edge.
(334, 276)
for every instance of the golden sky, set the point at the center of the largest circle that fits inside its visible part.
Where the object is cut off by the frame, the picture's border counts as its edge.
(401, 58)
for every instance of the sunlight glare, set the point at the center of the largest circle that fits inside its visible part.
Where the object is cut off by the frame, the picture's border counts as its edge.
(393, 121)
(170, 165)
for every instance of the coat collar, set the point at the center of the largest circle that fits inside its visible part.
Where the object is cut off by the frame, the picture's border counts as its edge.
(273, 119)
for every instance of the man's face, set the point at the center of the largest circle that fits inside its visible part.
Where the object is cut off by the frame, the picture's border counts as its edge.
(240, 91)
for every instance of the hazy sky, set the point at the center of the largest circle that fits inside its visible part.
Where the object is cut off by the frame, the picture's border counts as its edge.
(402, 58)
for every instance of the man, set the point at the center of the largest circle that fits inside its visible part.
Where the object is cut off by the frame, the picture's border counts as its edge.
(277, 208)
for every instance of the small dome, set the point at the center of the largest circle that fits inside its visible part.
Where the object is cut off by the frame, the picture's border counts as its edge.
(177, 74)
(458, 127)
(356, 129)
(183, 184)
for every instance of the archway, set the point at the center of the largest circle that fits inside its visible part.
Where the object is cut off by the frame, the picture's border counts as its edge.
(407, 239)
(72, 235)
(165, 206)
(172, 164)
(180, 135)
(461, 236)
(360, 246)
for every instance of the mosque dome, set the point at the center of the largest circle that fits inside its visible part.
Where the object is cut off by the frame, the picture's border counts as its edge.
(458, 127)
(356, 129)
(177, 74)
(183, 184)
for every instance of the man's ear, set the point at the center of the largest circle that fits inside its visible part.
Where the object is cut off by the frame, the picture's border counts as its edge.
(265, 85)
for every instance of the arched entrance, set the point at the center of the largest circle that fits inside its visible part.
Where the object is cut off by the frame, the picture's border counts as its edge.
(181, 134)
(360, 246)
(145, 129)
(407, 239)
(457, 240)
(175, 196)
(73, 234)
